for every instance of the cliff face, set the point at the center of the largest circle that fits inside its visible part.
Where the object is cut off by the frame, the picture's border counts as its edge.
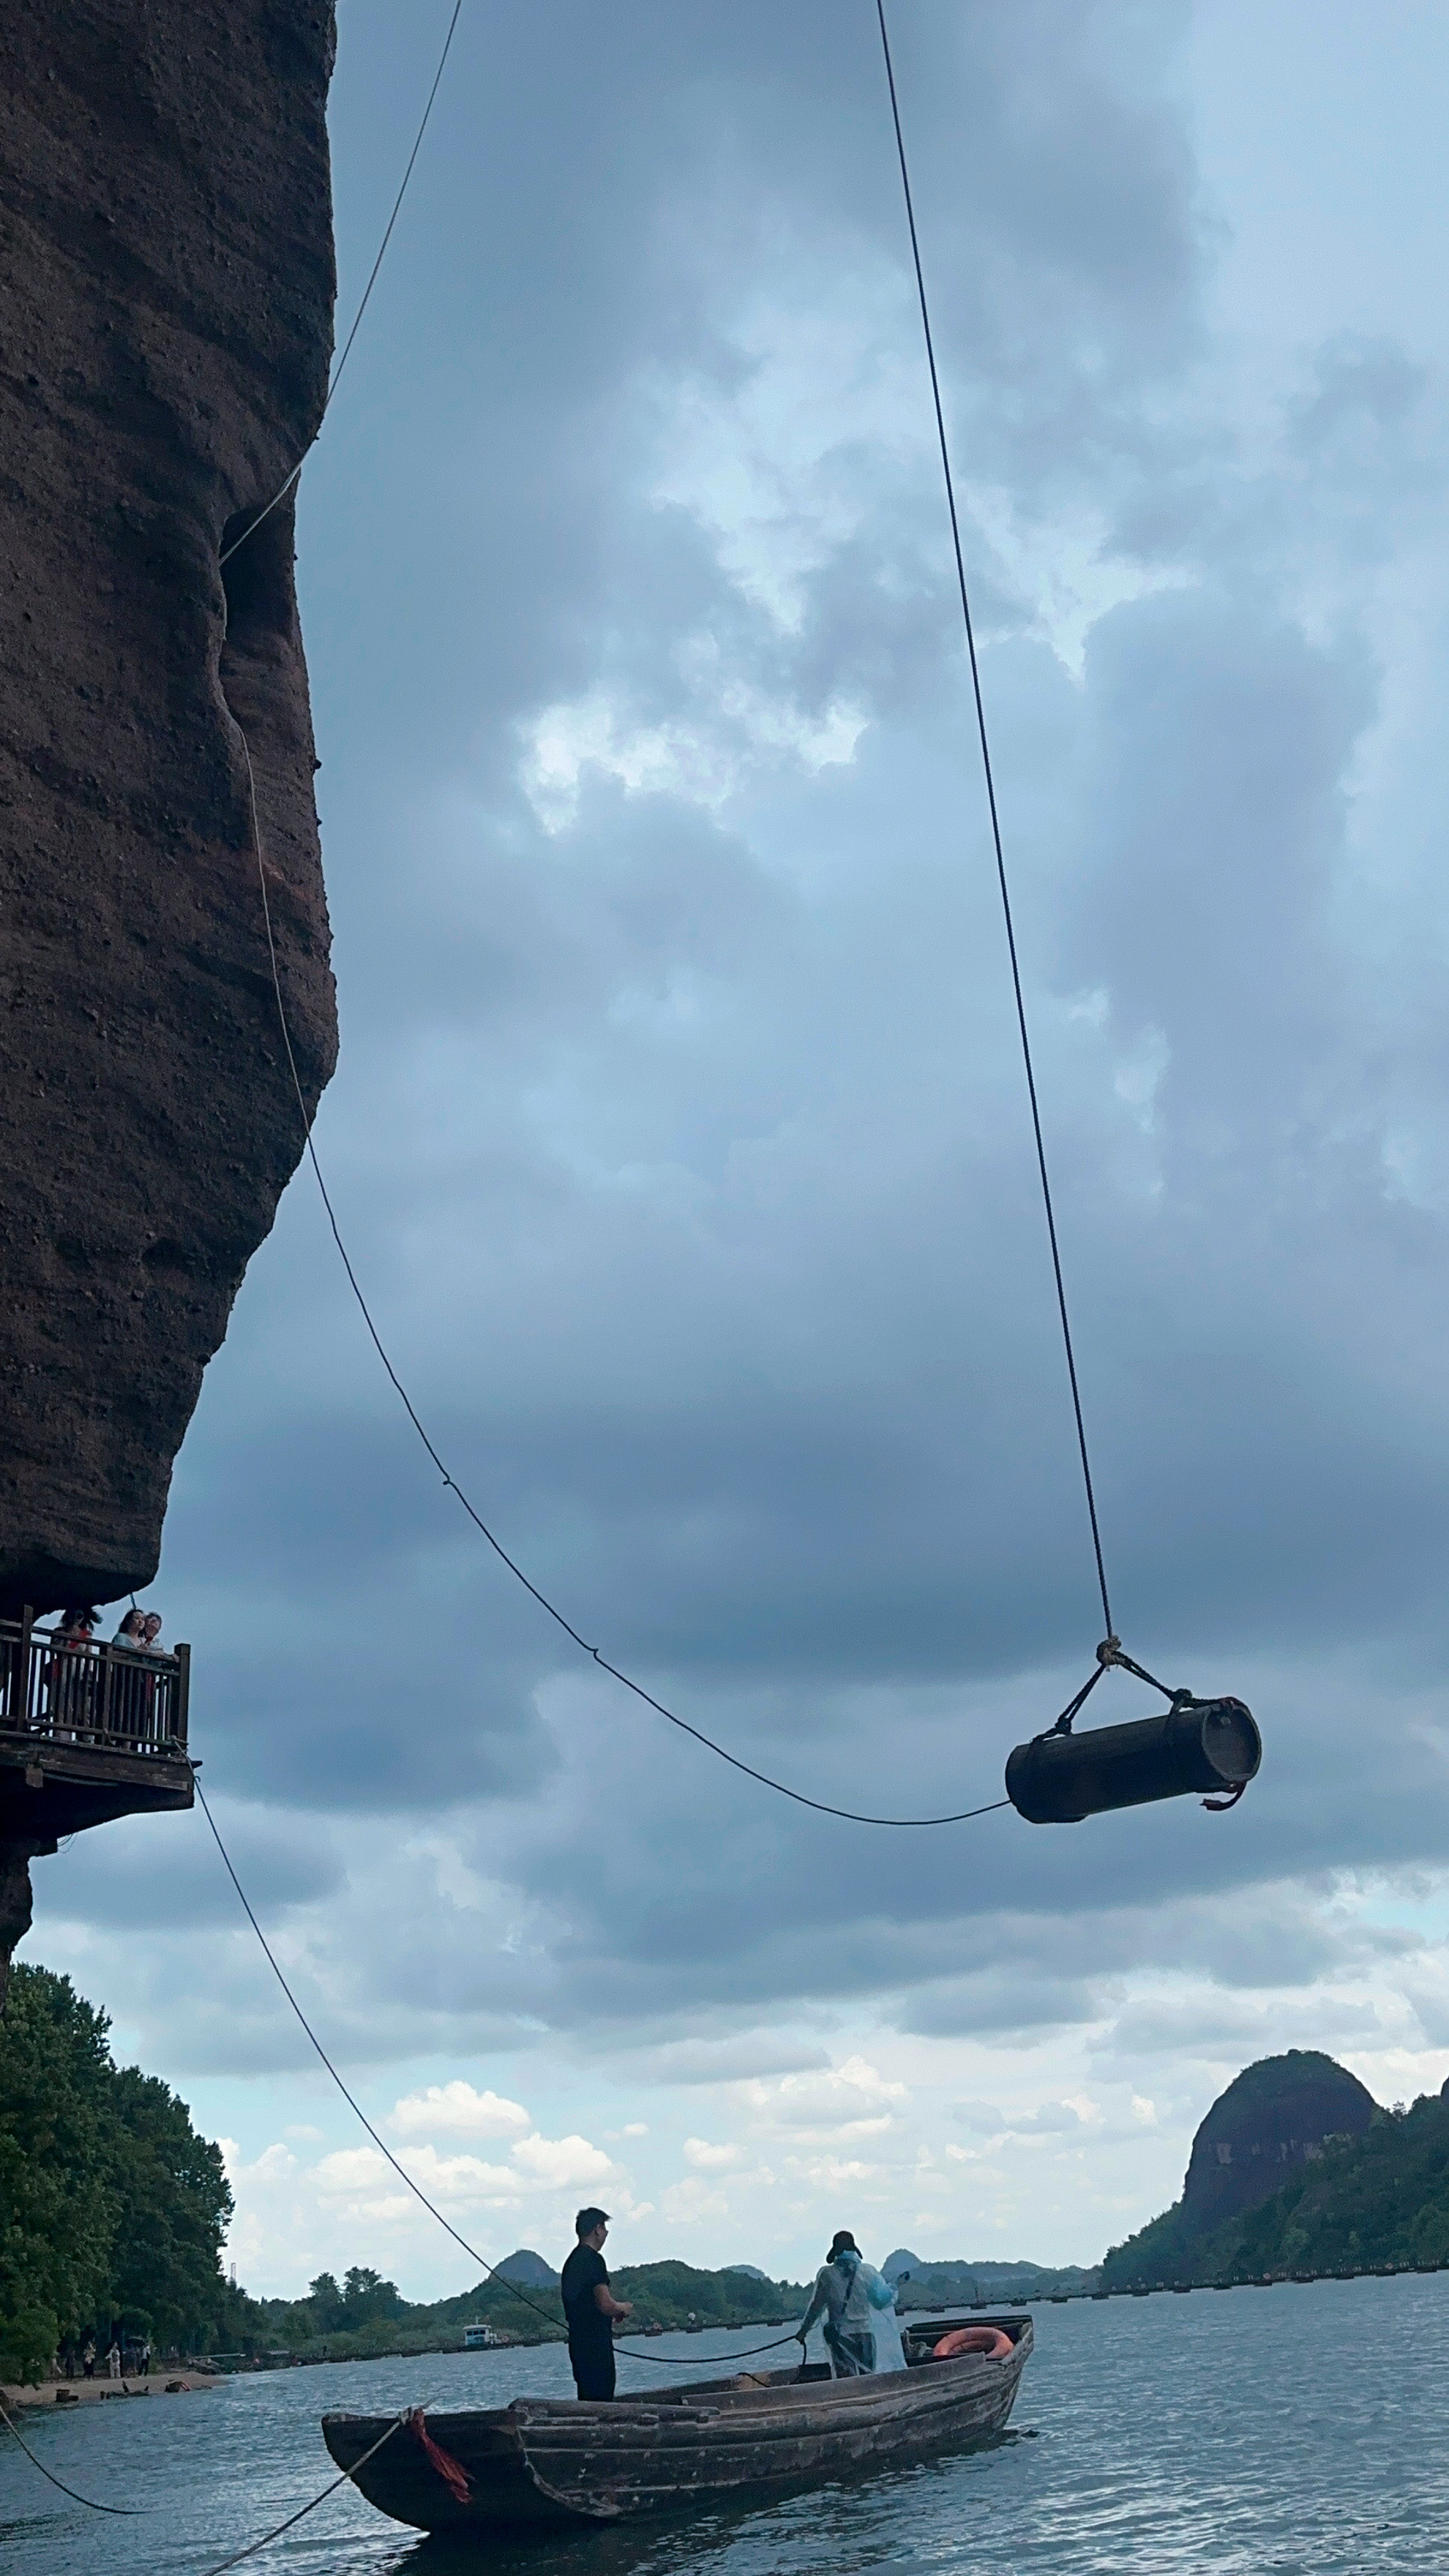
(166, 290)
(1275, 2119)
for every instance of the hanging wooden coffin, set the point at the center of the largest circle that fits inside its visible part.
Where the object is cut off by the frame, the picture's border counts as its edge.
(1196, 1745)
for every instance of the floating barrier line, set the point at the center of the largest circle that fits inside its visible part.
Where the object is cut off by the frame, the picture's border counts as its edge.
(1179, 2289)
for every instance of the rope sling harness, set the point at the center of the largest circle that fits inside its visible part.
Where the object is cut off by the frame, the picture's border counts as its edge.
(1198, 1744)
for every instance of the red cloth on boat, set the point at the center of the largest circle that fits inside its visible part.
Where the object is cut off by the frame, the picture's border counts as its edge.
(451, 2471)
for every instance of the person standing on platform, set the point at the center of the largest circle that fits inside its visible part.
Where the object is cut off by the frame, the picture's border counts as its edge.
(591, 2307)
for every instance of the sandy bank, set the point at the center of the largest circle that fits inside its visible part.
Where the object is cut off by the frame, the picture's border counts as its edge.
(53, 2394)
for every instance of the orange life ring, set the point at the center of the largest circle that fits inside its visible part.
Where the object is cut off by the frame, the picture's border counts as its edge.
(987, 2340)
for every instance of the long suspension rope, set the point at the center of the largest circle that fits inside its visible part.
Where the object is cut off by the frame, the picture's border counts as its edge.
(849, 1815)
(660, 2361)
(335, 378)
(819, 1806)
(222, 2564)
(1001, 879)
(73, 2492)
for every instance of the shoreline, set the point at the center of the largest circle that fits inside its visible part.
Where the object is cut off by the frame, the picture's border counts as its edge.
(59, 2396)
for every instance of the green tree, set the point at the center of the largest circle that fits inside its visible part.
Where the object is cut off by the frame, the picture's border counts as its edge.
(368, 2299)
(58, 2203)
(111, 2206)
(174, 2204)
(326, 2302)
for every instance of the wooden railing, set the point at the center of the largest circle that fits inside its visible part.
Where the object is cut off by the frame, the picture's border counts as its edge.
(60, 1691)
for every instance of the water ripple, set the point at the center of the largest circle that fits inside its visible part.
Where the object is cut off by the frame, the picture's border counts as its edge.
(1292, 2432)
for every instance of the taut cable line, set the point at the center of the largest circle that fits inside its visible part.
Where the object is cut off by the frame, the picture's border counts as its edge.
(659, 2361)
(1001, 878)
(335, 378)
(819, 1806)
(596, 1655)
(220, 2565)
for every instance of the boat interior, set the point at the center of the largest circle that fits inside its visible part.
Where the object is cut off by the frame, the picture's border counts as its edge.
(921, 2331)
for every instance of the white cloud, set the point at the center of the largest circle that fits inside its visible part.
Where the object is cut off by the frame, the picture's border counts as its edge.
(703, 758)
(275, 2164)
(981, 2117)
(461, 2177)
(698, 2151)
(560, 2163)
(830, 2173)
(456, 2111)
(850, 2100)
(351, 2169)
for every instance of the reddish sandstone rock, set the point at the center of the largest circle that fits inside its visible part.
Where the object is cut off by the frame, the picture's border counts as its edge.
(1274, 2116)
(166, 290)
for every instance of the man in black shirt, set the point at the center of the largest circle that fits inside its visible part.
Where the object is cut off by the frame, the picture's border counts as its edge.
(591, 2307)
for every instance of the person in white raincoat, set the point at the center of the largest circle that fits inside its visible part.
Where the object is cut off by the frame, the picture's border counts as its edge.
(842, 2296)
(885, 2326)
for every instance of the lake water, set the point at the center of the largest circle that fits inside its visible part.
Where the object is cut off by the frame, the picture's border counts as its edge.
(1248, 2430)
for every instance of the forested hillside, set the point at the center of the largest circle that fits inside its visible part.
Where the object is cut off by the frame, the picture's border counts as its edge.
(368, 2315)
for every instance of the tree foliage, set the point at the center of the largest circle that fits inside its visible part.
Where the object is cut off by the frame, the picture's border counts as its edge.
(367, 2315)
(112, 2209)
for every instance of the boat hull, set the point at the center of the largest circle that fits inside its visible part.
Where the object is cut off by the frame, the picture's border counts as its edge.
(546, 2462)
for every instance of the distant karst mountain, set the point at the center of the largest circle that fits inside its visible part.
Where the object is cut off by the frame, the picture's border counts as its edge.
(923, 2284)
(1274, 2119)
(528, 2269)
(1366, 2203)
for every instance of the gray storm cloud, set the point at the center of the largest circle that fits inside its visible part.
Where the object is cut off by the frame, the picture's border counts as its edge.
(679, 1135)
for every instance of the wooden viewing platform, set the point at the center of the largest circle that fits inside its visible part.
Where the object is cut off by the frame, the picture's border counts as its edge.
(88, 1732)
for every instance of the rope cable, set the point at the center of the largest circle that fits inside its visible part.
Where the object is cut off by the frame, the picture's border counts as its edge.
(819, 1806)
(250, 2551)
(659, 2361)
(336, 377)
(1001, 877)
(73, 2492)
(848, 1815)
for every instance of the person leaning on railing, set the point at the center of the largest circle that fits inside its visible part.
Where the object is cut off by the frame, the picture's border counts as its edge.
(70, 1675)
(133, 1704)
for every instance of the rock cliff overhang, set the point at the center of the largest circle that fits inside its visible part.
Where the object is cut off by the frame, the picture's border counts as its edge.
(166, 293)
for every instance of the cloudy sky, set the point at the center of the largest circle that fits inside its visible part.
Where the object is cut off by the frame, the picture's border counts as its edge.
(681, 1142)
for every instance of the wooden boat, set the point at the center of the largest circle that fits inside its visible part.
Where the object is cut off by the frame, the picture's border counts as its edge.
(549, 2461)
